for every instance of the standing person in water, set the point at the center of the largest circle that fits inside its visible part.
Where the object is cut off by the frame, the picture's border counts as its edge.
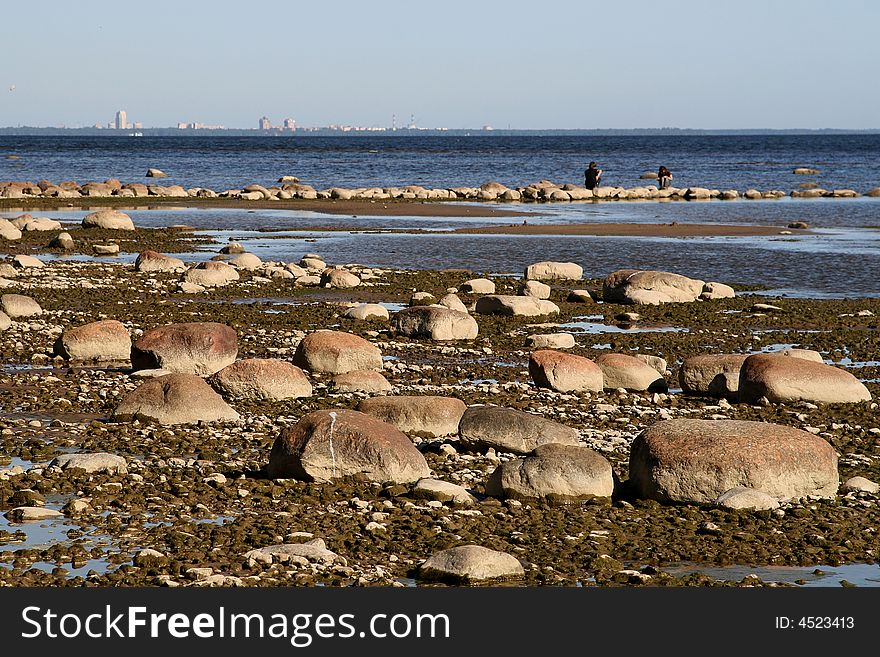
(664, 177)
(592, 176)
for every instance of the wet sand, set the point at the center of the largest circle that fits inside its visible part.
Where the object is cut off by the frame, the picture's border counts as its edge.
(385, 208)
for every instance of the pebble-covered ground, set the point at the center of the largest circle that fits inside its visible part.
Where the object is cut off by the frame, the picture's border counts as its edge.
(199, 497)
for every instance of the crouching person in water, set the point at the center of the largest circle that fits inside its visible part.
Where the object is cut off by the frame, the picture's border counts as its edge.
(664, 177)
(592, 176)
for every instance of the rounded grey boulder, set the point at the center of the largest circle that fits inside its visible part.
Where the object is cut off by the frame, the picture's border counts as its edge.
(557, 473)
(470, 563)
(511, 430)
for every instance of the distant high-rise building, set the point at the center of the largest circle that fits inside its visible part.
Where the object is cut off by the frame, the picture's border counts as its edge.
(138, 125)
(121, 120)
(289, 124)
(265, 124)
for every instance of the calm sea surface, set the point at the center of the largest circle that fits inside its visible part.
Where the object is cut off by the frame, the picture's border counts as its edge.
(840, 258)
(734, 162)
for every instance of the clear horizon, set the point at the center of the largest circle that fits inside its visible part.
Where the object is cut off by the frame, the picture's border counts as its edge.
(571, 66)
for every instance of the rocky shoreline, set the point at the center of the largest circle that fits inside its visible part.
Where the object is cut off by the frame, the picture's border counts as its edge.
(584, 375)
(543, 191)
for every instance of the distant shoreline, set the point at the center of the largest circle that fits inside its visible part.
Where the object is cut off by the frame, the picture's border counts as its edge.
(32, 131)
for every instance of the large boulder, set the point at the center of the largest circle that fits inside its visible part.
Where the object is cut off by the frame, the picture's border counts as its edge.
(94, 462)
(716, 375)
(452, 302)
(266, 379)
(535, 289)
(194, 348)
(18, 305)
(8, 231)
(713, 291)
(517, 306)
(104, 341)
(631, 373)
(551, 341)
(153, 261)
(478, 286)
(176, 399)
(420, 415)
(24, 261)
(108, 220)
(565, 372)
(442, 491)
(336, 352)
(554, 271)
(470, 563)
(698, 460)
(557, 473)
(510, 430)
(369, 381)
(650, 287)
(326, 445)
(246, 262)
(40, 224)
(784, 379)
(367, 312)
(211, 274)
(435, 322)
(340, 278)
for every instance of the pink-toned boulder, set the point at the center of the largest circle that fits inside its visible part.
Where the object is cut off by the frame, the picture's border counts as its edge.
(421, 415)
(336, 352)
(699, 460)
(361, 381)
(194, 348)
(629, 372)
(176, 399)
(784, 379)
(103, 341)
(565, 372)
(327, 445)
(266, 379)
(154, 261)
(211, 274)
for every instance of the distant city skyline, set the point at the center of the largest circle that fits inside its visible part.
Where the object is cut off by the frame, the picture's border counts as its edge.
(563, 65)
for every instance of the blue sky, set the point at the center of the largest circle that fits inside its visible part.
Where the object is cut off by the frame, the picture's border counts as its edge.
(457, 64)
